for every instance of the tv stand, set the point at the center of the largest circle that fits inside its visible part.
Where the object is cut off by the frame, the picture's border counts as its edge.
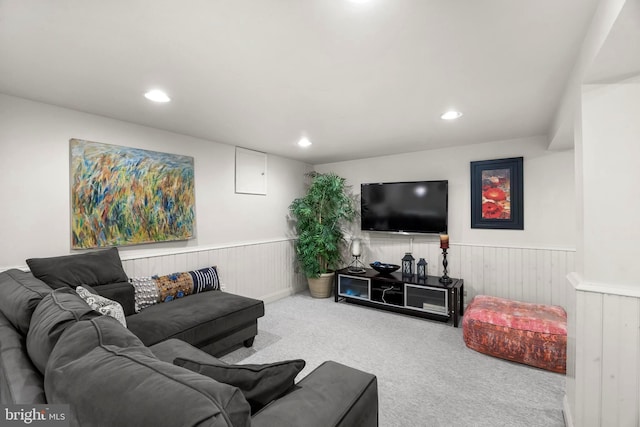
(427, 298)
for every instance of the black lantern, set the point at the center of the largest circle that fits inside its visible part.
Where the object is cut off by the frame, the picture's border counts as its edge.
(407, 264)
(422, 269)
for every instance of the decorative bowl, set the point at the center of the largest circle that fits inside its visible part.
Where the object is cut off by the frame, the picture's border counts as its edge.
(384, 268)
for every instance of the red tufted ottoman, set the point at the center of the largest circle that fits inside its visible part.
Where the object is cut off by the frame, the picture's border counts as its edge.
(532, 334)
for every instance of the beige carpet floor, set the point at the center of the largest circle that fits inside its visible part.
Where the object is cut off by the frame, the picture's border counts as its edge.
(426, 374)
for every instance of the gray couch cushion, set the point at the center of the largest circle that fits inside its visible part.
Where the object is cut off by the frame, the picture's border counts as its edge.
(110, 383)
(54, 313)
(20, 293)
(92, 268)
(170, 349)
(101, 269)
(124, 293)
(101, 330)
(260, 384)
(20, 381)
(196, 319)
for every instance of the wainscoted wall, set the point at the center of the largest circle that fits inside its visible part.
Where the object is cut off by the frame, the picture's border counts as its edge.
(535, 275)
(262, 270)
(603, 376)
(267, 270)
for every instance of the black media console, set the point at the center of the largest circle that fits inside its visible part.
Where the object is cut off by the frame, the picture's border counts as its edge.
(426, 298)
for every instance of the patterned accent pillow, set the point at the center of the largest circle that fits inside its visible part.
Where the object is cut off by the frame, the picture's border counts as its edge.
(205, 279)
(103, 305)
(176, 285)
(146, 292)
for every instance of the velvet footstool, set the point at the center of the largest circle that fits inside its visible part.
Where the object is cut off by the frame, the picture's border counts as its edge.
(533, 334)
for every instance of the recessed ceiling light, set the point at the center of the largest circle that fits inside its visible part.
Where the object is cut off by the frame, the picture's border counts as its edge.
(451, 115)
(304, 142)
(157, 96)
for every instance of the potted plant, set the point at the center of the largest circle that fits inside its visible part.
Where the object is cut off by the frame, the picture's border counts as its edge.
(319, 218)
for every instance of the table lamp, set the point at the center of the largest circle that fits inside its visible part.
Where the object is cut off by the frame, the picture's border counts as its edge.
(356, 265)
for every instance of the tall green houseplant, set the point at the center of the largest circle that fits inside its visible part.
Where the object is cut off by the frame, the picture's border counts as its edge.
(319, 220)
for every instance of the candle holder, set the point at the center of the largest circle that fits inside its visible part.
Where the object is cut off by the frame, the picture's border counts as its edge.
(422, 269)
(407, 264)
(445, 277)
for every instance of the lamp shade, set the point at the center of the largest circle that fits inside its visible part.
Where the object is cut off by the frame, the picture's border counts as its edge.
(356, 247)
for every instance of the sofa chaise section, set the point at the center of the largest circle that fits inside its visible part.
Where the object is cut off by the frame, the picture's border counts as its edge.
(213, 321)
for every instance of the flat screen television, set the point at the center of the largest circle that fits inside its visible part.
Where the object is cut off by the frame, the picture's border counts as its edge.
(405, 207)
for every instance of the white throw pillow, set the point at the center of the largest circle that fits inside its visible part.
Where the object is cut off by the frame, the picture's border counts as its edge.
(146, 292)
(103, 305)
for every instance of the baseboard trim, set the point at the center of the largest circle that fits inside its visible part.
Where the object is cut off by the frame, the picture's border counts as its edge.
(281, 294)
(566, 412)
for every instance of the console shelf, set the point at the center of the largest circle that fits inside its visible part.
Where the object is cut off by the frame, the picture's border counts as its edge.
(427, 298)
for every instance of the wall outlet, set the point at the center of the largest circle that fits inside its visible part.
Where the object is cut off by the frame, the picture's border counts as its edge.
(465, 293)
(223, 287)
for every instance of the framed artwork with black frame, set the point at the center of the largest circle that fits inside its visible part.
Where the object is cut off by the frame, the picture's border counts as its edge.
(497, 194)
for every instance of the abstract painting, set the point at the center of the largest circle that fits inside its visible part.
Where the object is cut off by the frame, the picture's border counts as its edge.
(496, 194)
(127, 196)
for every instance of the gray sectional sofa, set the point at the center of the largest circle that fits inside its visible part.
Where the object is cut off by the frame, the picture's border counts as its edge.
(55, 349)
(216, 322)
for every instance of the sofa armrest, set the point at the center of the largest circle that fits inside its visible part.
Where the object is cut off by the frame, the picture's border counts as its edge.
(20, 381)
(332, 395)
(122, 292)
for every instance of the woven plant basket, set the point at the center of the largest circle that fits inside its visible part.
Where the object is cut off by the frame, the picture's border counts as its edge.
(321, 287)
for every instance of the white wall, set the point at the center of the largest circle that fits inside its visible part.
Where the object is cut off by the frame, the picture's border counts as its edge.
(549, 190)
(34, 183)
(603, 358)
(610, 179)
(527, 265)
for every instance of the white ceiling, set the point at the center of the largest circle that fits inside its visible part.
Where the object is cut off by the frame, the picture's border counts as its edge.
(358, 80)
(613, 62)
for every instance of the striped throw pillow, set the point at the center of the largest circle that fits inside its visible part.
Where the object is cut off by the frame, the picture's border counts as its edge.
(205, 279)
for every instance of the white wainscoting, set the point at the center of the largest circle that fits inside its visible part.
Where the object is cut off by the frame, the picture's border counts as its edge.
(262, 270)
(603, 360)
(536, 275)
(267, 270)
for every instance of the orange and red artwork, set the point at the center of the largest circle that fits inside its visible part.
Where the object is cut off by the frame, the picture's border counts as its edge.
(496, 194)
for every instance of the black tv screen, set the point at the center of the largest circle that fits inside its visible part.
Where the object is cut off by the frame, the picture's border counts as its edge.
(408, 207)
